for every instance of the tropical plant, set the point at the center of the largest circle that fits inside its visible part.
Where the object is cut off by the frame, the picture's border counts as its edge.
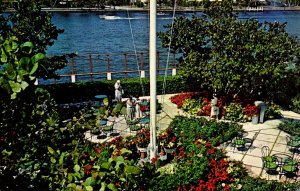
(251, 110)
(167, 139)
(234, 112)
(29, 24)
(19, 65)
(249, 56)
(142, 138)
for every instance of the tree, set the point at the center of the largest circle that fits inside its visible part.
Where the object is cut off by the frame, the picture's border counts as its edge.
(29, 23)
(223, 53)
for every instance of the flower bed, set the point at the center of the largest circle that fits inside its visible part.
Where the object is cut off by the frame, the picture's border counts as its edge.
(231, 108)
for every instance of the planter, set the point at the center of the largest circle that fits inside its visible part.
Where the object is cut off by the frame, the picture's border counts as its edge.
(142, 151)
(255, 120)
(169, 151)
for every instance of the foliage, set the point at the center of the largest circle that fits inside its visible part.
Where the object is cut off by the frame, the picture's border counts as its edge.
(199, 165)
(290, 126)
(248, 56)
(257, 184)
(180, 98)
(234, 112)
(29, 24)
(142, 138)
(296, 104)
(251, 110)
(19, 65)
(190, 129)
(68, 92)
(272, 111)
(167, 139)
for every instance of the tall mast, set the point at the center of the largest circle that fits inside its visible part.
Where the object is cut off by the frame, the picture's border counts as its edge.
(152, 59)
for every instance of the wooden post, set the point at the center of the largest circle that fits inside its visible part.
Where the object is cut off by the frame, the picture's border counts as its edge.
(157, 63)
(125, 64)
(91, 67)
(73, 78)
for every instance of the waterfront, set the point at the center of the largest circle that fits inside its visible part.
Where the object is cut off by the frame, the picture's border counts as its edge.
(93, 36)
(88, 33)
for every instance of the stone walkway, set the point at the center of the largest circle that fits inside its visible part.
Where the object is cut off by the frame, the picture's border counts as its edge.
(267, 134)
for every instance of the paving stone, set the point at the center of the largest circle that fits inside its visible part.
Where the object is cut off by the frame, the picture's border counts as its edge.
(280, 147)
(265, 137)
(253, 161)
(281, 139)
(273, 131)
(254, 152)
(234, 155)
(283, 134)
(253, 171)
(267, 176)
(260, 144)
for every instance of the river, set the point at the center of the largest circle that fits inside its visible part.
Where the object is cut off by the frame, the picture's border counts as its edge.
(91, 33)
(88, 33)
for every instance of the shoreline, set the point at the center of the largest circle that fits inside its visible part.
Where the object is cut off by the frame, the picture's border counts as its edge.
(181, 9)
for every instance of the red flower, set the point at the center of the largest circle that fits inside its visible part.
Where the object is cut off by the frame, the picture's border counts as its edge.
(87, 169)
(251, 110)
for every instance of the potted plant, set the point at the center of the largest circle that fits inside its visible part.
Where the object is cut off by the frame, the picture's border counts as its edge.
(252, 111)
(168, 140)
(142, 140)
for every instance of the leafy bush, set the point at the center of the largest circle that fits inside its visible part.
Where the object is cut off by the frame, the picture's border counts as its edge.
(273, 111)
(84, 91)
(190, 129)
(296, 104)
(234, 112)
(290, 126)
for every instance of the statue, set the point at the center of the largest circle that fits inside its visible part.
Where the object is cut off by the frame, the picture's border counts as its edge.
(138, 112)
(129, 109)
(118, 91)
(262, 107)
(214, 112)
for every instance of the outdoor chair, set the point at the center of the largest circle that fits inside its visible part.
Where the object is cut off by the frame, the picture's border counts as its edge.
(108, 128)
(239, 142)
(270, 163)
(249, 142)
(290, 167)
(133, 125)
(293, 144)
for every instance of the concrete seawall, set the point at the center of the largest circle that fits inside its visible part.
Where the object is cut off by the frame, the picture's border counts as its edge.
(167, 9)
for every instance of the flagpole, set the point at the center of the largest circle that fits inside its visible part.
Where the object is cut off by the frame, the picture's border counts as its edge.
(152, 60)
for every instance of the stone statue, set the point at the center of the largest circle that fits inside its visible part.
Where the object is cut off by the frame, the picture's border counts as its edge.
(214, 112)
(129, 109)
(262, 107)
(118, 91)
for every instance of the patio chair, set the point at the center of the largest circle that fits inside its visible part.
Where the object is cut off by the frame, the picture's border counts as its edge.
(270, 163)
(108, 129)
(239, 142)
(249, 142)
(290, 167)
(293, 144)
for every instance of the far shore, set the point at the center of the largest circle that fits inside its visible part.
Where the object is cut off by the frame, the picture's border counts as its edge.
(164, 9)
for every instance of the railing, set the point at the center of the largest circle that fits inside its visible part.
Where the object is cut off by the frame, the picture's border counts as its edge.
(90, 67)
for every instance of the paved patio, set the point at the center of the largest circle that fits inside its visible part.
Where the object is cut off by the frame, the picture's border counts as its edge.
(267, 135)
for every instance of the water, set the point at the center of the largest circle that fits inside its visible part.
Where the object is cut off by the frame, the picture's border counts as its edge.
(91, 33)
(88, 33)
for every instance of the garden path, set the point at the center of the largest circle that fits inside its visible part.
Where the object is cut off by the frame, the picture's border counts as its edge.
(267, 135)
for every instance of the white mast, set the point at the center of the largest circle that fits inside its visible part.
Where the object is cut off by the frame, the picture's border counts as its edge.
(152, 60)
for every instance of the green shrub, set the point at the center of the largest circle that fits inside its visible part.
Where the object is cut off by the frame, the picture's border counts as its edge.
(290, 126)
(85, 91)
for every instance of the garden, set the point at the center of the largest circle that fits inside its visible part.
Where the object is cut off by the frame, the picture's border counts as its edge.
(232, 108)
(43, 146)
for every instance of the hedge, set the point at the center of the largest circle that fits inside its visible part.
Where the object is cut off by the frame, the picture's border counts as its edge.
(85, 91)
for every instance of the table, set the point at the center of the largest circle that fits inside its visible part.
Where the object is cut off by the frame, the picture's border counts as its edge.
(100, 98)
(145, 121)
